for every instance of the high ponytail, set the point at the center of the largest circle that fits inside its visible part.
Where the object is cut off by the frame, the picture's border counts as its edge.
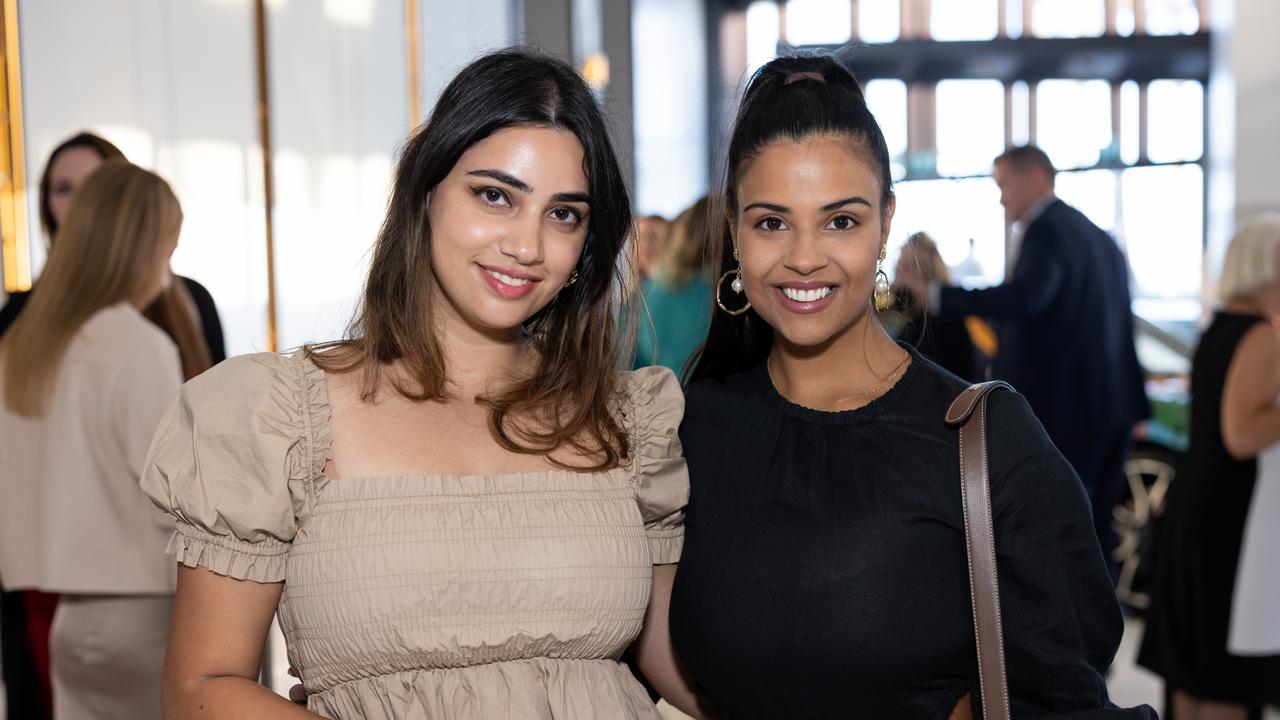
(790, 98)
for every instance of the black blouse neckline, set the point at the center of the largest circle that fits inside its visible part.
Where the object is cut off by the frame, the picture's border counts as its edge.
(876, 407)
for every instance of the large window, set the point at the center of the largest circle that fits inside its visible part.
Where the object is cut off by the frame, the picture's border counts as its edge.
(970, 125)
(1129, 143)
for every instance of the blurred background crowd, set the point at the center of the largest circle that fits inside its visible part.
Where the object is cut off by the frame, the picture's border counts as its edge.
(277, 122)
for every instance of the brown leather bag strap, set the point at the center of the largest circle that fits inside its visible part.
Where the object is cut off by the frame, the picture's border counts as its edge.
(969, 411)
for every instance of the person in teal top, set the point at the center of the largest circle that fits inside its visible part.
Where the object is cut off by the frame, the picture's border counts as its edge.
(677, 296)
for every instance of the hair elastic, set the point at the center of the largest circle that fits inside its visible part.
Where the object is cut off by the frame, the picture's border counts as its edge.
(806, 75)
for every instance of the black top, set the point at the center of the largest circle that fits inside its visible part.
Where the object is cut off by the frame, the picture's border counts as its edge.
(1198, 543)
(208, 311)
(945, 342)
(824, 571)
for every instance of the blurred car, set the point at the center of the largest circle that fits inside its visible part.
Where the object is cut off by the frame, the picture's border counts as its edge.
(1165, 352)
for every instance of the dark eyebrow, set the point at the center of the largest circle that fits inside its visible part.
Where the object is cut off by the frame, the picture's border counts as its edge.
(856, 200)
(767, 206)
(847, 201)
(522, 186)
(503, 178)
(573, 197)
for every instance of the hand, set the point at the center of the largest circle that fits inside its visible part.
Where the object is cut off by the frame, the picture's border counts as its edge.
(297, 693)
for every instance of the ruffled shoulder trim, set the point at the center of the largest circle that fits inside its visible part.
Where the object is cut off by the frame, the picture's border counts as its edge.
(652, 411)
(315, 412)
(262, 562)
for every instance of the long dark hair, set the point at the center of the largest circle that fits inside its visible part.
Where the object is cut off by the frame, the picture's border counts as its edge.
(791, 98)
(100, 145)
(570, 399)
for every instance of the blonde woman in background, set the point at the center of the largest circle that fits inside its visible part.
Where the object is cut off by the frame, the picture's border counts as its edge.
(677, 295)
(946, 342)
(84, 379)
(187, 314)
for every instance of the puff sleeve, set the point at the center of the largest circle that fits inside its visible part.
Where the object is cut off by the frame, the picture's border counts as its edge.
(661, 477)
(234, 462)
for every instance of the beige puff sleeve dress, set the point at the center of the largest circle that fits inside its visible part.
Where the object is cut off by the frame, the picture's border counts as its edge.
(426, 596)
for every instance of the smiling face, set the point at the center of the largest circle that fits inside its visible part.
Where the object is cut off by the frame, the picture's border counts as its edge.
(508, 225)
(809, 232)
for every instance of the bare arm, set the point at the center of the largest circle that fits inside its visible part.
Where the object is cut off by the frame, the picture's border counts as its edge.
(1250, 418)
(219, 629)
(654, 655)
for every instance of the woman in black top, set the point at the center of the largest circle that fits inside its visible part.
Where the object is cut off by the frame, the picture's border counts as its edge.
(824, 570)
(1235, 441)
(945, 342)
(199, 338)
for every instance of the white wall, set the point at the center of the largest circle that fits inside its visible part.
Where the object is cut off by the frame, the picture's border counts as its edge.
(1255, 59)
(1244, 107)
(339, 110)
(455, 33)
(670, 65)
(172, 85)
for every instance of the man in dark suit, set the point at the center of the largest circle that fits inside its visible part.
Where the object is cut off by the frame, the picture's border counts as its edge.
(1065, 328)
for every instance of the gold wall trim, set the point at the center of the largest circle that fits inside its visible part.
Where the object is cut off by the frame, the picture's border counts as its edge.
(13, 174)
(413, 58)
(268, 180)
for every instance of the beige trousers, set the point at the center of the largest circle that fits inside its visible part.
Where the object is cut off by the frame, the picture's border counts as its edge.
(107, 653)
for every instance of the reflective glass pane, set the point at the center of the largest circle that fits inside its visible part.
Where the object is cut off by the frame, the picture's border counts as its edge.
(1020, 102)
(1129, 122)
(1175, 120)
(1163, 214)
(1073, 120)
(969, 20)
(763, 26)
(819, 22)
(963, 216)
(1171, 17)
(970, 125)
(1092, 193)
(1068, 18)
(888, 102)
(879, 21)
(1125, 18)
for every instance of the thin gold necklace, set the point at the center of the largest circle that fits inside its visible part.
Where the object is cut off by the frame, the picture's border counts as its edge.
(893, 375)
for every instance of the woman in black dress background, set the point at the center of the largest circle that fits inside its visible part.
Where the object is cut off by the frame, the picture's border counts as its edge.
(945, 342)
(1235, 379)
(824, 571)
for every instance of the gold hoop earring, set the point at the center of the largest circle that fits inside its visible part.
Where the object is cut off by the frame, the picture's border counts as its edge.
(736, 285)
(573, 278)
(883, 296)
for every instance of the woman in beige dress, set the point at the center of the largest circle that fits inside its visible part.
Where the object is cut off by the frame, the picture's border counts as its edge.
(463, 510)
(85, 379)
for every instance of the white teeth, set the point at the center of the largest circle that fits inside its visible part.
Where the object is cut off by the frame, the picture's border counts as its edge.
(508, 280)
(806, 295)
